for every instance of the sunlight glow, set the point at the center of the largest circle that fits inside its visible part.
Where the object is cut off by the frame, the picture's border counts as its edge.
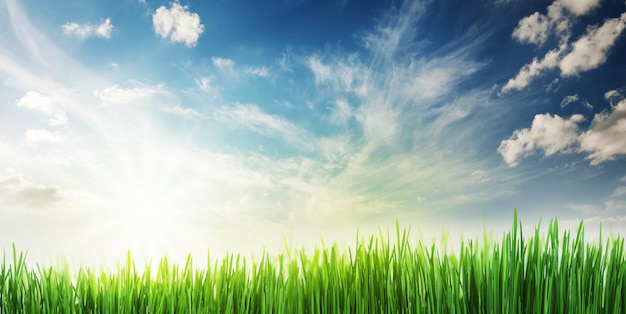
(144, 219)
(148, 195)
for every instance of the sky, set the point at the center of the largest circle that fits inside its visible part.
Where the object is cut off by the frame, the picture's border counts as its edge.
(169, 127)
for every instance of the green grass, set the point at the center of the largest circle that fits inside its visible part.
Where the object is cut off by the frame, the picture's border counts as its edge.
(552, 273)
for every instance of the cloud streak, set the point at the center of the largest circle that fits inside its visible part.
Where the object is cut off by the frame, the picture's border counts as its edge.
(249, 116)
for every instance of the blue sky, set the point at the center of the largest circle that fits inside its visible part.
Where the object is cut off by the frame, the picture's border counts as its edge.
(168, 127)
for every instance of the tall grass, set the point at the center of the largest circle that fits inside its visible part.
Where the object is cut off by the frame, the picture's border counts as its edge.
(539, 274)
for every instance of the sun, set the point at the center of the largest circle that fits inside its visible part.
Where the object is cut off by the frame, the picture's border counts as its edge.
(150, 215)
(151, 196)
(144, 219)
(153, 220)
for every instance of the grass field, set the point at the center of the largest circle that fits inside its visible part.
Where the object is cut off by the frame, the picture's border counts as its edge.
(543, 273)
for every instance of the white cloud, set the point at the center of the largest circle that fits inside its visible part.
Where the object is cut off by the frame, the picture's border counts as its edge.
(115, 95)
(613, 96)
(225, 65)
(104, 29)
(533, 29)
(552, 134)
(261, 71)
(579, 7)
(33, 100)
(74, 28)
(177, 23)
(569, 99)
(36, 136)
(529, 71)
(36, 101)
(590, 51)
(537, 27)
(86, 30)
(606, 138)
(186, 113)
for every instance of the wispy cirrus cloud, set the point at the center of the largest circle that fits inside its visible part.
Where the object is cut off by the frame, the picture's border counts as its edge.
(396, 99)
(387, 116)
(341, 111)
(569, 99)
(252, 117)
(230, 69)
(225, 66)
(260, 71)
